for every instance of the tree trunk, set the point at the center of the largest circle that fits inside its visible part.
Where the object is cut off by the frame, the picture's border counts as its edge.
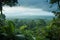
(1, 7)
(1, 11)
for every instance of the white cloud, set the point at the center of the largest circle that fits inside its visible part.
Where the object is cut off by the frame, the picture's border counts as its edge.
(23, 11)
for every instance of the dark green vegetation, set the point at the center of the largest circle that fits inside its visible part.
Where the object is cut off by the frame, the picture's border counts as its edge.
(21, 29)
(55, 1)
(7, 2)
(29, 29)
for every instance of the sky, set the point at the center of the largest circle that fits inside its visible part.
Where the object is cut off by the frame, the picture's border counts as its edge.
(30, 8)
(41, 4)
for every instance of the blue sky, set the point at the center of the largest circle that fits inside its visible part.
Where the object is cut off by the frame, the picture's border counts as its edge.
(30, 8)
(41, 4)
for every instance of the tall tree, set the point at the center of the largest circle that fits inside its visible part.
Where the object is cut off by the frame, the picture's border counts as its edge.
(7, 2)
(55, 1)
(54, 33)
(58, 2)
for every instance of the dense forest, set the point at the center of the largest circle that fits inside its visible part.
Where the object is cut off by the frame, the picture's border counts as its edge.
(39, 29)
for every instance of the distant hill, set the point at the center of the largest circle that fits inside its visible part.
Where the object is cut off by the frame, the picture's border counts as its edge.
(31, 17)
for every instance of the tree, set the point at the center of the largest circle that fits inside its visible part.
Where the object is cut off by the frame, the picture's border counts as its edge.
(57, 14)
(7, 2)
(54, 33)
(2, 18)
(55, 1)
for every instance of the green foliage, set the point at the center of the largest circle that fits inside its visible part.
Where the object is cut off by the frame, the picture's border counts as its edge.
(9, 2)
(30, 30)
(10, 27)
(37, 32)
(8, 31)
(23, 27)
(55, 1)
